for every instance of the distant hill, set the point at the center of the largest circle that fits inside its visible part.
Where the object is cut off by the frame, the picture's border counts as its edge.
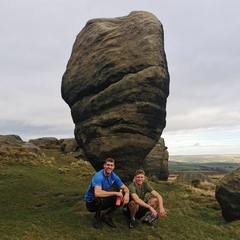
(204, 163)
(233, 158)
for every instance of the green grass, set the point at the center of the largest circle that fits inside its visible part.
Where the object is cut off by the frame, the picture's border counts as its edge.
(43, 199)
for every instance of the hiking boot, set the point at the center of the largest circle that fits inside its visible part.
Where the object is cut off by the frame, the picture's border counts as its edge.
(97, 224)
(132, 224)
(108, 221)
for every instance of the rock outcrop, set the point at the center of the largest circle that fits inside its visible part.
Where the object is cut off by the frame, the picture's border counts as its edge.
(68, 145)
(193, 178)
(14, 141)
(156, 162)
(116, 84)
(228, 195)
(46, 142)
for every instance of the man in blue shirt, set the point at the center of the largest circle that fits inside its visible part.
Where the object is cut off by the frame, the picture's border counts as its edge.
(98, 197)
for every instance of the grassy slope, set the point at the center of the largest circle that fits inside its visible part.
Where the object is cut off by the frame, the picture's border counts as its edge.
(43, 199)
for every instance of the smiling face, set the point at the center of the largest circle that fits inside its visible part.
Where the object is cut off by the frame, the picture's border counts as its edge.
(139, 179)
(108, 168)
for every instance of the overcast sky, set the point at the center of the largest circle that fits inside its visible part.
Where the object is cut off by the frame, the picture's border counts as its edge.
(202, 45)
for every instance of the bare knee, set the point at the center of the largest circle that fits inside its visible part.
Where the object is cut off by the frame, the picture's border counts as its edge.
(133, 205)
(153, 202)
(133, 208)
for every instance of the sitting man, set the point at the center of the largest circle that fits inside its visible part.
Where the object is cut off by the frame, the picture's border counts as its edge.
(137, 207)
(98, 197)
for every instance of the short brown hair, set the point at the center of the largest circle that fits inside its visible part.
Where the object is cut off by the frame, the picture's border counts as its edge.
(139, 171)
(109, 160)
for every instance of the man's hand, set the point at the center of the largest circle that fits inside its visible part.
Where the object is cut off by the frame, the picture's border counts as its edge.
(162, 212)
(154, 212)
(119, 194)
(126, 198)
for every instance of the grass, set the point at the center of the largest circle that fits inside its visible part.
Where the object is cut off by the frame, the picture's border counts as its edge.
(42, 198)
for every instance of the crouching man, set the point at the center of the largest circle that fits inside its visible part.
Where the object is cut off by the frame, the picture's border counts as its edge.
(98, 197)
(137, 208)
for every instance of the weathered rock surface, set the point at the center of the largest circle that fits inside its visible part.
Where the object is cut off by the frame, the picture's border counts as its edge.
(228, 195)
(68, 145)
(14, 141)
(193, 177)
(156, 162)
(116, 84)
(46, 142)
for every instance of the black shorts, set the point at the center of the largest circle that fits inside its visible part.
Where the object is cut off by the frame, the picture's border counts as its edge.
(139, 214)
(97, 204)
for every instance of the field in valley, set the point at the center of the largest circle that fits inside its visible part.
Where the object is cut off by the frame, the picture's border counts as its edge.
(209, 164)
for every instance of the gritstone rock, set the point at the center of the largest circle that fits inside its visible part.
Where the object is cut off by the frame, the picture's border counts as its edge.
(156, 162)
(14, 141)
(191, 177)
(116, 84)
(46, 142)
(228, 195)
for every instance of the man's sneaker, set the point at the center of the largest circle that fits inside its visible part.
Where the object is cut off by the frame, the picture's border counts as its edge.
(108, 221)
(97, 224)
(150, 217)
(132, 224)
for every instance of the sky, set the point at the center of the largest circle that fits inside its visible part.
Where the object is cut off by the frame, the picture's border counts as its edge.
(202, 45)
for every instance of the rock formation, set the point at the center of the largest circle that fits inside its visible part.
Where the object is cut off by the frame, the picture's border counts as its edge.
(68, 145)
(156, 162)
(14, 141)
(46, 142)
(228, 195)
(116, 84)
(195, 179)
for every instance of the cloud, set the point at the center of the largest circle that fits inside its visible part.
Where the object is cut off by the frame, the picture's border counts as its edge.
(202, 48)
(203, 141)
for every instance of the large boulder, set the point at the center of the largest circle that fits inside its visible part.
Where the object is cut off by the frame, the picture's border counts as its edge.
(193, 178)
(68, 145)
(228, 195)
(7, 142)
(156, 162)
(116, 84)
(46, 142)
(10, 140)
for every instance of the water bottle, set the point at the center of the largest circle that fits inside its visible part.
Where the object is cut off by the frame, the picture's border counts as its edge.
(118, 200)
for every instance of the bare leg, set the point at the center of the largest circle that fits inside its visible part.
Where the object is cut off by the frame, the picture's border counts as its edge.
(133, 207)
(153, 203)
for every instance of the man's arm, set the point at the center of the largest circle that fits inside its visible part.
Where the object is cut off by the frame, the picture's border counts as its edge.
(98, 192)
(126, 194)
(162, 211)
